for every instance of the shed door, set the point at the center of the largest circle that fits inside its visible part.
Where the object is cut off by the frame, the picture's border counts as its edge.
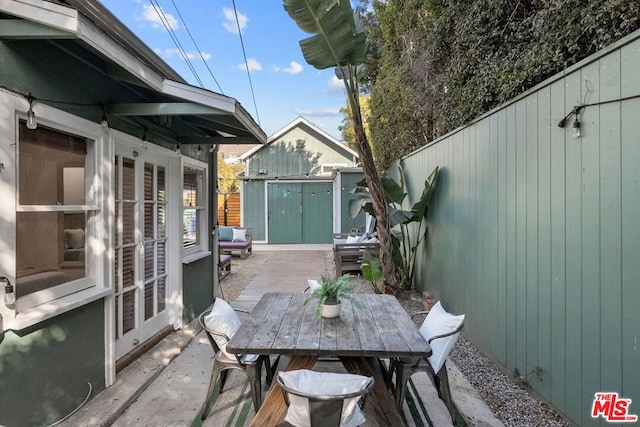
(285, 213)
(300, 212)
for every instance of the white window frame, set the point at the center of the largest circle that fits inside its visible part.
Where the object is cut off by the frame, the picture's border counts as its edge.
(200, 250)
(32, 309)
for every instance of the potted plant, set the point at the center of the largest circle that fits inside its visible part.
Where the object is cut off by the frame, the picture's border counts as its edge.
(329, 293)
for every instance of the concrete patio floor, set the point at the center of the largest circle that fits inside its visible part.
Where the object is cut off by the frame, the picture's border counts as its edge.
(167, 385)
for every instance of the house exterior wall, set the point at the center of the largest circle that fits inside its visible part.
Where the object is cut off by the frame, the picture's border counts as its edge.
(46, 370)
(534, 233)
(283, 158)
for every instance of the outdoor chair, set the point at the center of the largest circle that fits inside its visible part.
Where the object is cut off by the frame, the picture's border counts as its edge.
(338, 405)
(441, 330)
(220, 323)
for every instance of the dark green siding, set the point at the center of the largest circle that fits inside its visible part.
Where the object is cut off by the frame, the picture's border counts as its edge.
(347, 183)
(64, 354)
(253, 205)
(197, 287)
(534, 233)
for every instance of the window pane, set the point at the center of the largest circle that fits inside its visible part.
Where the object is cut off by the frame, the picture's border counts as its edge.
(148, 299)
(51, 167)
(129, 311)
(161, 294)
(128, 179)
(148, 181)
(149, 261)
(190, 227)
(191, 186)
(42, 245)
(128, 224)
(162, 192)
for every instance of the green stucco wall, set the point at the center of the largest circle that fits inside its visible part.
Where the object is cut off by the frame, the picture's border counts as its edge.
(534, 233)
(64, 354)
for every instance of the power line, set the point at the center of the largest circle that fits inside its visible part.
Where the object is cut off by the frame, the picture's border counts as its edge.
(167, 26)
(197, 48)
(246, 64)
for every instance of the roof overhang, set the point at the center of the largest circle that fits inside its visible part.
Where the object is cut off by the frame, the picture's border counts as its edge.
(154, 98)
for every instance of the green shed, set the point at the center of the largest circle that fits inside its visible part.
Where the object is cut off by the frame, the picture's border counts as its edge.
(295, 188)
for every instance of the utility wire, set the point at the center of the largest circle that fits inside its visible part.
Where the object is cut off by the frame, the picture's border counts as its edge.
(246, 64)
(165, 22)
(197, 48)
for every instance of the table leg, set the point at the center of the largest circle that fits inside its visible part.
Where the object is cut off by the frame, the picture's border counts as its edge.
(273, 407)
(379, 398)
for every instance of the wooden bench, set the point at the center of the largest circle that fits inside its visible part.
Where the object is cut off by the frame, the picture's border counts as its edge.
(348, 256)
(242, 248)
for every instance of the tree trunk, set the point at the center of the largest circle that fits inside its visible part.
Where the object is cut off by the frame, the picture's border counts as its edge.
(390, 285)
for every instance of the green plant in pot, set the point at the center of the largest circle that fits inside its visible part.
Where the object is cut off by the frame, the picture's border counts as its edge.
(329, 294)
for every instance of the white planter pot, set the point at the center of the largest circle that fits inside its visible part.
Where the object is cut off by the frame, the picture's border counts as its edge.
(330, 310)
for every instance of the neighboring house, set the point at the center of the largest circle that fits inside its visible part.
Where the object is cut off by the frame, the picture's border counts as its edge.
(296, 188)
(106, 205)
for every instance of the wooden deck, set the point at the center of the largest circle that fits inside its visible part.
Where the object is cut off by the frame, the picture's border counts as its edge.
(285, 274)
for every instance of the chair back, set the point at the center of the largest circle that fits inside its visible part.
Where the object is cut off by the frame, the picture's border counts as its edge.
(213, 343)
(441, 330)
(325, 410)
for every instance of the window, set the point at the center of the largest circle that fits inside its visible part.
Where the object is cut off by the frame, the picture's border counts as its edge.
(55, 214)
(194, 212)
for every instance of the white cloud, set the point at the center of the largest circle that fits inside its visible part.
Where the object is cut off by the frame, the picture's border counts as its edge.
(230, 23)
(318, 112)
(168, 53)
(293, 68)
(253, 65)
(335, 84)
(152, 16)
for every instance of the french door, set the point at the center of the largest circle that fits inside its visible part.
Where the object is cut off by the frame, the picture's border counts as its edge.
(140, 242)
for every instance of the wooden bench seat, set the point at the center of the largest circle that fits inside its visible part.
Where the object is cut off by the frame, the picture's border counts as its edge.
(224, 266)
(348, 256)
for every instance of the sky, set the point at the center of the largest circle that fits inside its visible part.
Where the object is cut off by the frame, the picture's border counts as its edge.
(284, 85)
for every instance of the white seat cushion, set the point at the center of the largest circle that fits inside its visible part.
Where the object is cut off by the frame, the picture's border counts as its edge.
(323, 384)
(225, 320)
(439, 322)
(313, 285)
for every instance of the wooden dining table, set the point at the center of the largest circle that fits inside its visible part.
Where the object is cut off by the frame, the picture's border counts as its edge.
(370, 327)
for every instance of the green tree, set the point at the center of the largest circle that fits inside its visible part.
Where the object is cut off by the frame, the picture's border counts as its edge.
(347, 129)
(339, 40)
(228, 177)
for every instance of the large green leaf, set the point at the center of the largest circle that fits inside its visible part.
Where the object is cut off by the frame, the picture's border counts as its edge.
(339, 39)
(419, 209)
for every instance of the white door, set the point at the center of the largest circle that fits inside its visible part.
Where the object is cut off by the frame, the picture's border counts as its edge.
(140, 242)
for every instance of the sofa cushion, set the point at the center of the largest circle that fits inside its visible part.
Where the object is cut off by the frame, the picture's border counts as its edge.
(225, 234)
(239, 234)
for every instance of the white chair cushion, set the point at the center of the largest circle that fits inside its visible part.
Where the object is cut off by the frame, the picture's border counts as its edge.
(353, 239)
(239, 235)
(323, 384)
(313, 285)
(440, 322)
(225, 320)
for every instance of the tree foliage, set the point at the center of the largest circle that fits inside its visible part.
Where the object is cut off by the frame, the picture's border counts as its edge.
(228, 177)
(438, 64)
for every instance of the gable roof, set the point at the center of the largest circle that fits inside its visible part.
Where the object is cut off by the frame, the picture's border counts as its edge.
(296, 123)
(153, 96)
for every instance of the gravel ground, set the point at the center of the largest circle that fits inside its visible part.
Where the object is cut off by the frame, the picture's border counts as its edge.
(509, 401)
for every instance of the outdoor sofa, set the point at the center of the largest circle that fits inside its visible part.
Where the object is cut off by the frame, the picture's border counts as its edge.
(235, 240)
